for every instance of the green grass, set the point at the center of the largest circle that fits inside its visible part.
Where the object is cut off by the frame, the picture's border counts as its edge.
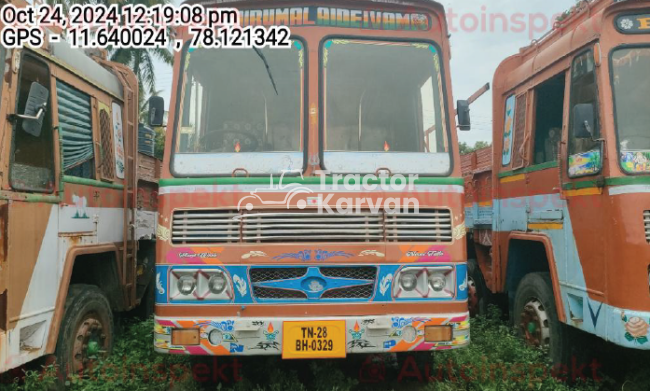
(495, 360)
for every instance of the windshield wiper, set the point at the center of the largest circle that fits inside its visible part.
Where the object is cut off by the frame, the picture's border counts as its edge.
(268, 69)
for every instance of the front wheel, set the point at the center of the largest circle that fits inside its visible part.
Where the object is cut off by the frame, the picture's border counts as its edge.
(86, 333)
(536, 320)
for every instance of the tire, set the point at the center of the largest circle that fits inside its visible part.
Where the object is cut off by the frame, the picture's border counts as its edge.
(536, 320)
(86, 332)
(478, 293)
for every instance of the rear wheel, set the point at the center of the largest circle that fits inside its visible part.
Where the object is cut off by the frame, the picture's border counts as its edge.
(536, 320)
(86, 333)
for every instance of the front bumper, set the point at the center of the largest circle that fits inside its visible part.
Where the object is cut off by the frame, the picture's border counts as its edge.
(264, 336)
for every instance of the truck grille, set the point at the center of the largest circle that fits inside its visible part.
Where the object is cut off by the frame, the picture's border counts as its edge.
(259, 275)
(428, 225)
(355, 292)
(646, 220)
(205, 226)
(311, 227)
(223, 226)
(354, 273)
(279, 273)
(278, 294)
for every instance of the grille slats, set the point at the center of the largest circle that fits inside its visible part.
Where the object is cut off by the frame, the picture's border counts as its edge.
(201, 226)
(357, 273)
(646, 220)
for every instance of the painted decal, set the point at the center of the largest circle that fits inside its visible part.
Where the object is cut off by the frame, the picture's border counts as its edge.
(240, 284)
(424, 253)
(636, 329)
(585, 163)
(636, 162)
(594, 316)
(306, 255)
(194, 255)
(163, 233)
(385, 284)
(460, 231)
(336, 17)
(80, 203)
(508, 134)
(254, 254)
(118, 140)
(270, 334)
(159, 285)
(368, 253)
(357, 341)
(463, 287)
(236, 348)
(634, 24)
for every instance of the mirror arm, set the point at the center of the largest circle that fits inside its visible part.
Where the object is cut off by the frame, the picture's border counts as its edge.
(13, 117)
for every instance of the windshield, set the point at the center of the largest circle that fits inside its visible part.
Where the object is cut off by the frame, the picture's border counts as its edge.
(241, 109)
(631, 73)
(383, 104)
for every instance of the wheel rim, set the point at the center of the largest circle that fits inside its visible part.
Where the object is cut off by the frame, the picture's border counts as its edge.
(90, 342)
(472, 297)
(534, 324)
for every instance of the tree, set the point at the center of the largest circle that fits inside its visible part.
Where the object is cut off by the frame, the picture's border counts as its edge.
(141, 61)
(465, 148)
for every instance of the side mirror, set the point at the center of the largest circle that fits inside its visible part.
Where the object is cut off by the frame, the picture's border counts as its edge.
(156, 111)
(583, 121)
(35, 109)
(462, 110)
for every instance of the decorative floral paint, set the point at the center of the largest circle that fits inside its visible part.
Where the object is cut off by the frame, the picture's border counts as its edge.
(636, 329)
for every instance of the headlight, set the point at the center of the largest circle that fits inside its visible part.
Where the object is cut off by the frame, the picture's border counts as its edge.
(186, 285)
(217, 283)
(408, 281)
(438, 282)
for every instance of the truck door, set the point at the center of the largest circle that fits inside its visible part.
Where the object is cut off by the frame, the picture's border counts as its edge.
(582, 181)
(32, 216)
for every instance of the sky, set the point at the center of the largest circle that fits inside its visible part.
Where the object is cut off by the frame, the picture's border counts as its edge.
(483, 33)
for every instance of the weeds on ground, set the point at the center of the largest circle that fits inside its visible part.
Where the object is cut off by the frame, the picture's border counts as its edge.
(495, 360)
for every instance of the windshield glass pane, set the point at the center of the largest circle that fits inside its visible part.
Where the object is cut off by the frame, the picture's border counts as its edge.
(241, 108)
(384, 107)
(631, 71)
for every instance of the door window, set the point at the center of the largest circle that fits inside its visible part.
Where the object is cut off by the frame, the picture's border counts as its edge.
(32, 163)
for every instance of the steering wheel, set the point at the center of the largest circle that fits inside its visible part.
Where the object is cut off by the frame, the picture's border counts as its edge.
(227, 141)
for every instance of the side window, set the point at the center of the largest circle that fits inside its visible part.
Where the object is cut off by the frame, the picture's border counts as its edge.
(584, 154)
(508, 131)
(107, 163)
(549, 118)
(32, 161)
(76, 131)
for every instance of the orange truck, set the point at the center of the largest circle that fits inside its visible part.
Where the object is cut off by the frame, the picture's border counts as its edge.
(77, 205)
(250, 259)
(558, 211)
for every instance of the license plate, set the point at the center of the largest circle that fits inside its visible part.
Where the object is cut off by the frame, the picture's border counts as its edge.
(315, 339)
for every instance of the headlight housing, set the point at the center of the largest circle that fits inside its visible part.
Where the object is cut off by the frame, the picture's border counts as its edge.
(200, 285)
(425, 282)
